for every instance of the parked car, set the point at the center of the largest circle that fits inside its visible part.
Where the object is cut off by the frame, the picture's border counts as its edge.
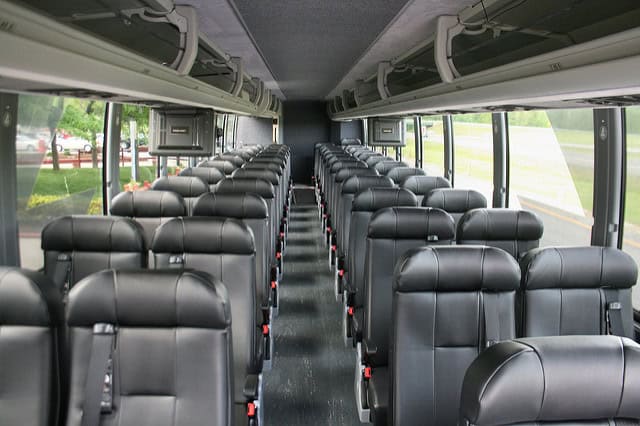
(29, 143)
(73, 143)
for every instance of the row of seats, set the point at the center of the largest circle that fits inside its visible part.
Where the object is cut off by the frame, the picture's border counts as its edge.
(471, 296)
(235, 233)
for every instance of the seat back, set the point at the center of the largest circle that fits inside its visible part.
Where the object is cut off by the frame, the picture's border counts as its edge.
(211, 175)
(77, 246)
(189, 187)
(421, 186)
(375, 159)
(364, 205)
(514, 231)
(350, 187)
(172, 356)
(149, 209)
(574, 290)
(456, 202)
(339, 179)
(225, 249)
(271, 177)
(392, 232)
(383, 167)
(399, 174)
(449, 303)
(251, 209)
(31, 342)
(569, 380)
(226, 167)
(232, 158)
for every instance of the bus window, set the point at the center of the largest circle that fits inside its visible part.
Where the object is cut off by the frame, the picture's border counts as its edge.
(473, 151)
(631, 241)
(219, 146)
(59, 155)
(135, 127)
(433, 145)
(230, 136)
(409, 149)
(551, 171)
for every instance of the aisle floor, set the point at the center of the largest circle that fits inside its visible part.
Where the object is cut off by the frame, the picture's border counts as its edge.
(311, 382)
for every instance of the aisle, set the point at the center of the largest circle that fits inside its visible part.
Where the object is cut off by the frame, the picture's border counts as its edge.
(311, 382)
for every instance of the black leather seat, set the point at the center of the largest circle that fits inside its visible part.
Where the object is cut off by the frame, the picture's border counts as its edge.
(421, 186)
(350, 187)
(569, 380)
(171, 356)
(211, 175)
(226, 167)
(449, 304)
(515, 231)
(189, 187)
(392, 232)
(149, 209)
(375, 159)
(32, 372)
(225, 249)
(77, 246)
(577, 290)
(232, 158)
(399, 174)
(384, 167)
(244, 154)
(456, 202)
(365, 204)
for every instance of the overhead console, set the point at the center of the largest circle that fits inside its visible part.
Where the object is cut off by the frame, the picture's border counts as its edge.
(543, 44)
(181, 132)
(386, 131)
(149, 48)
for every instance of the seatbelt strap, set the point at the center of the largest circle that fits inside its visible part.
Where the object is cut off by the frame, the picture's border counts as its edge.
(62, 272)
(98, 390)
(613, 314)
(491, 319)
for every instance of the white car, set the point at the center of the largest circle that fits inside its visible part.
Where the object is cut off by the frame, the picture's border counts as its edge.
(73, 143)
(28, 143)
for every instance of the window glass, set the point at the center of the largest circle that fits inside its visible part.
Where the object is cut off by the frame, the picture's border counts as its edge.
(409, 149)
(391, 152)
(219, 146)
(473, 151)
(230, 136)
(135, 130)
(551, 172)
(631, 241)
(433, 145)
(59, 156)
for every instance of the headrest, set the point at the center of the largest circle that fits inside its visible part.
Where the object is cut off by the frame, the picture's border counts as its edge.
(366, 155)
(232, 158)
(499, 224)
(240, 206)
(456, 268)
(400, 174)
(373, 160)
(412, 223)
(372, 199)
(355, 184)
(93, 233)
(245, 155)
(553, 379)
(148, 204)
(422, 185)
(362, 154)
(160, 298)
(241, 185)
(344, 174)
(455, 200)
(383, 167)
(226, 167)
(271, 166)
(28, 298)
(187, 186)
(343, 164)
(267, 175)
(268, 160)
(578, 267)
(211, 175)
(332, 159)
(204, 235)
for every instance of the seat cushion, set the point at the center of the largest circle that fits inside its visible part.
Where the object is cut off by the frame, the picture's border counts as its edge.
(379, 395)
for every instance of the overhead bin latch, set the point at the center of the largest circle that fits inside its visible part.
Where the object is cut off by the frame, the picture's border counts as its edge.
(185, 19)
(447, 27)
(384, 69)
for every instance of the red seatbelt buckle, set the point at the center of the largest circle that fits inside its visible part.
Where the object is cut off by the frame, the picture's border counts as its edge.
(274, 284)
(265, 329)
(350, 311)
(367, 373)
(328, 229)
(278, 255)
(251, 409)
(282, 235)
(341, 273)
(324, 216)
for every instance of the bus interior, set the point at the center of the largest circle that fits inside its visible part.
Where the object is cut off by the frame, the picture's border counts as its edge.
(334, 212)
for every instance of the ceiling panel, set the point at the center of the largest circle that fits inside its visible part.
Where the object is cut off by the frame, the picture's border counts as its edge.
(310, 45)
